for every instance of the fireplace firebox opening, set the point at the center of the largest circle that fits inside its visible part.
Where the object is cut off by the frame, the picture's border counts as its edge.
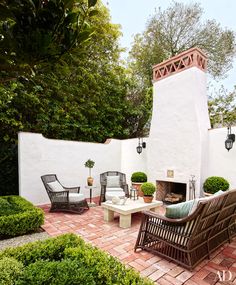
(171, 192)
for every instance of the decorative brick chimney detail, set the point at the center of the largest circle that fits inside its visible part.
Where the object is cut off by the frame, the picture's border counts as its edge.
(192, 57)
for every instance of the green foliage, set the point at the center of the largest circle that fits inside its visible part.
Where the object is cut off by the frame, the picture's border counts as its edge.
(35, 33)
(50, 249)
(139, 177)
(68, 260)
(18, 216)
(8, 167)
(56, 273)
(84, 93)
(179, 28)
(8, 207)
(89, 163)
(10, 270)
(214, 184)
(104, 268)
(148, 189)
(222, 108)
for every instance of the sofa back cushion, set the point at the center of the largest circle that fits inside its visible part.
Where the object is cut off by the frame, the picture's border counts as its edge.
(180, 210)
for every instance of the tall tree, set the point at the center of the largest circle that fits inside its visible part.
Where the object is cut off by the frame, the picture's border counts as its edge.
(176, 29)
(34, 33)
(222, 108)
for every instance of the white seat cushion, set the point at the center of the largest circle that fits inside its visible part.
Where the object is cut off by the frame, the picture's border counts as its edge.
(110, 189)
(76, 197)
(110, 195)
(55, 186)
(113, 181)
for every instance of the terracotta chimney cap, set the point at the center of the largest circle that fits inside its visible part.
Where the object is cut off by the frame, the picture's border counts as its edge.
(184, 60)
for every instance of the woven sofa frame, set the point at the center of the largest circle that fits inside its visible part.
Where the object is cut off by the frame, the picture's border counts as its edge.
(190, 240)
(60, 200)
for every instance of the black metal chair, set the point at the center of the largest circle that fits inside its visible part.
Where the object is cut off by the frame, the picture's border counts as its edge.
(69, 199)
(103, 181)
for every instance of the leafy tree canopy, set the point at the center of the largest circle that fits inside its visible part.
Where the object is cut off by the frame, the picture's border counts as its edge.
(37, 32)
(176, 29)
(222, 108)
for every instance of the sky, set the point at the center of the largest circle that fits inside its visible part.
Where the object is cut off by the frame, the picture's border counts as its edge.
(132, 15)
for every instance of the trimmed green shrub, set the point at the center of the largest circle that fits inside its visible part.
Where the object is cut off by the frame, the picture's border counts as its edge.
(148, 189)
(104, 268)
(56, 272)
(139, 177)
(50, 249)
(10, 270)
(215, 183)
(67, 259)
(18, 216)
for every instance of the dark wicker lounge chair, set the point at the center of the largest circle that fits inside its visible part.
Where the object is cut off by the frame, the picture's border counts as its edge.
(67, 200)
(122, 184)
(189, 240)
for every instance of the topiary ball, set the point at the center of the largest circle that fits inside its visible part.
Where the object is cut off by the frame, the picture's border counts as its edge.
(215, 183)
(139, 177)
(148, 189)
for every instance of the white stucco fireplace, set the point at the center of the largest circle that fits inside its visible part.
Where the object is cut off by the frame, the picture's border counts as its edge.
(180, 122)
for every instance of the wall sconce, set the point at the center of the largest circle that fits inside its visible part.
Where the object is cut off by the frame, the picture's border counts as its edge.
(141, 145)
(230, 139)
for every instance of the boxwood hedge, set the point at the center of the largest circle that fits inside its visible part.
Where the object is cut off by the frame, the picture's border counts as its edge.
(18, 216)
(67, 259)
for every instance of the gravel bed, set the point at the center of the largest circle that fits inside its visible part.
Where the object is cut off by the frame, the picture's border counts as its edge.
(13, 242)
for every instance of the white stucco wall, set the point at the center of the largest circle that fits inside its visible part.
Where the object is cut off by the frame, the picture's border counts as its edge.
(39, 155)
(220, 161)
(179, 127)
(131, 161)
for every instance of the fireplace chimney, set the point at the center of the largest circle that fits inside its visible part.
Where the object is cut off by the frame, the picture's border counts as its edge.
(180, 120)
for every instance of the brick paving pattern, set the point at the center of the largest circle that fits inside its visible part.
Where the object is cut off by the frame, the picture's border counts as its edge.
(119, 242)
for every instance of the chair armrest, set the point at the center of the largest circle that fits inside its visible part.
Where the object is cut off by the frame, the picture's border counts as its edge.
(64, 195)
(126, 189)
(72, 189)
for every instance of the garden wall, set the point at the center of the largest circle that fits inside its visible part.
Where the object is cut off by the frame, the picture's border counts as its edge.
(39, 155)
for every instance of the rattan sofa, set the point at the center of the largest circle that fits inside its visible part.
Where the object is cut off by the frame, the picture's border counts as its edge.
(189, 240)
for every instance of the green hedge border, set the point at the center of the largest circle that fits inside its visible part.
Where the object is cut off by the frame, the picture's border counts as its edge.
(67, 259)
(30, 219)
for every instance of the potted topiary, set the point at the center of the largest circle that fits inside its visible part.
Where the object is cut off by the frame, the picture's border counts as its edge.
(214, 184)
(137, 179)
(148, 190)
(90, 164)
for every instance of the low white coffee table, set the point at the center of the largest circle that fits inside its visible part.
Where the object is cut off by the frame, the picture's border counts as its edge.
(126, 210)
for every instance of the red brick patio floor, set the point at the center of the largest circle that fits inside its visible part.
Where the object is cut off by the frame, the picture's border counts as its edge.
(119, 242)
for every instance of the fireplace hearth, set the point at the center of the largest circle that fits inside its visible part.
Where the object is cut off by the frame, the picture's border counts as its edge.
(171, 192)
